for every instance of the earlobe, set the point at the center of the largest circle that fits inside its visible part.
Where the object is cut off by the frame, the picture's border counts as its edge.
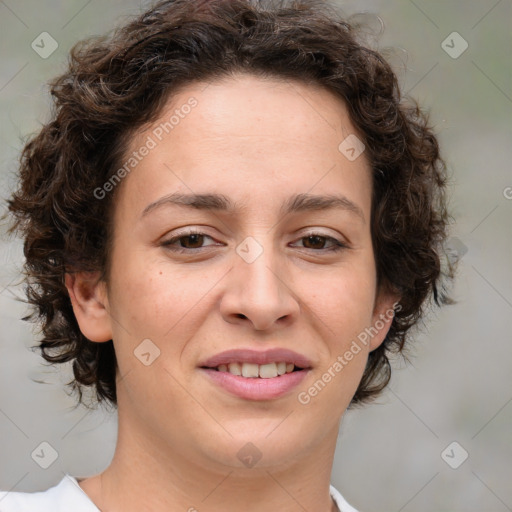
(89, 299)
(383, 316)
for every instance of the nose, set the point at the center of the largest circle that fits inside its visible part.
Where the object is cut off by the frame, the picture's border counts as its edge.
(258, 292)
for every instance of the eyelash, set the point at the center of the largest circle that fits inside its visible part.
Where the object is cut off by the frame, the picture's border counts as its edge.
(337, 245)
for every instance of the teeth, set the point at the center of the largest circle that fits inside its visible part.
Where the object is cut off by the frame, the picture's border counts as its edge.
(281, 368)
(251, 370)
(235, 368)
(268, 371)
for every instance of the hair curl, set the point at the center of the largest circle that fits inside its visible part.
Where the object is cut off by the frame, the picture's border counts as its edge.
(115, 84)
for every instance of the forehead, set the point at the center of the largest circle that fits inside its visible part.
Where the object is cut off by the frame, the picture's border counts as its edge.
(248, 137)
(246, 106)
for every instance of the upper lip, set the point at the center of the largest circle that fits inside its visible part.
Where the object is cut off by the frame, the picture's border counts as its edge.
(275, 355)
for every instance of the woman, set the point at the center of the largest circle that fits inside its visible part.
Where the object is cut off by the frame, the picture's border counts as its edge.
(229, 223)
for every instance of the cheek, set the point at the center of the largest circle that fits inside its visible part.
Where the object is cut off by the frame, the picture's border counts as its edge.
(156, 299)
(342, 299)
(344, 306)
(150, 324)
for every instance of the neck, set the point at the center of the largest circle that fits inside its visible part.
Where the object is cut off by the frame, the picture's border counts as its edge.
(147, 473)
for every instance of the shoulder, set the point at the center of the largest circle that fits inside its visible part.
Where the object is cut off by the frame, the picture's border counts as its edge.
(340, 501)
(56, 499)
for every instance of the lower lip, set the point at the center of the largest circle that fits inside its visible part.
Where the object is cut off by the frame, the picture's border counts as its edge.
(256, 388)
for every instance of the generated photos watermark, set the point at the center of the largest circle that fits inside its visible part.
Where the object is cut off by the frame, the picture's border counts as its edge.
(150, 143)
(363, 338)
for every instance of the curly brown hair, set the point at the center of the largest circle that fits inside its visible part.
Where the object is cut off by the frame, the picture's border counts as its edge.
(117, 83)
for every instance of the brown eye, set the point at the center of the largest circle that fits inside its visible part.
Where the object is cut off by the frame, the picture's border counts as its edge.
(317, 242)
(185, 242)
(314, 242)
(195, 240)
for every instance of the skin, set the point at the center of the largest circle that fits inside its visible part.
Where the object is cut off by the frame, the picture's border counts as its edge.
(256, 141)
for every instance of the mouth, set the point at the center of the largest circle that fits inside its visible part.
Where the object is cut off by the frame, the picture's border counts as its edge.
(256, 375)
(257, 371)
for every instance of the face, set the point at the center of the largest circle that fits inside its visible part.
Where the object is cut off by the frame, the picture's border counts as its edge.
(270, 270)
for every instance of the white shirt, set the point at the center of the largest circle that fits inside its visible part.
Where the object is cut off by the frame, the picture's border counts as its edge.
(68, 496)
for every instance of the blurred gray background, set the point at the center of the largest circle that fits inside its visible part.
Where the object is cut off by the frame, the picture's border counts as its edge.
(395, 455)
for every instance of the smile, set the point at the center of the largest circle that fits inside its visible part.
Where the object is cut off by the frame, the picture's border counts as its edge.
(255, 374)
(262, 371)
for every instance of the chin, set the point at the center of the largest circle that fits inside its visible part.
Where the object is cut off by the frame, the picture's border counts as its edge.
(263, 444)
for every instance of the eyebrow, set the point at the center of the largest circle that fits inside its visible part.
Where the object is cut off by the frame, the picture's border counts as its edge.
(294, 204)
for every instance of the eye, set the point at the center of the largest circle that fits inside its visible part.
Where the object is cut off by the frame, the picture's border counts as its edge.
(192, 241)
(317, 241)
(189, 241)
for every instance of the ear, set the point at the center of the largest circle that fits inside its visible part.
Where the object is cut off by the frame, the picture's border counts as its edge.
(386, 303)
(89, 299)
